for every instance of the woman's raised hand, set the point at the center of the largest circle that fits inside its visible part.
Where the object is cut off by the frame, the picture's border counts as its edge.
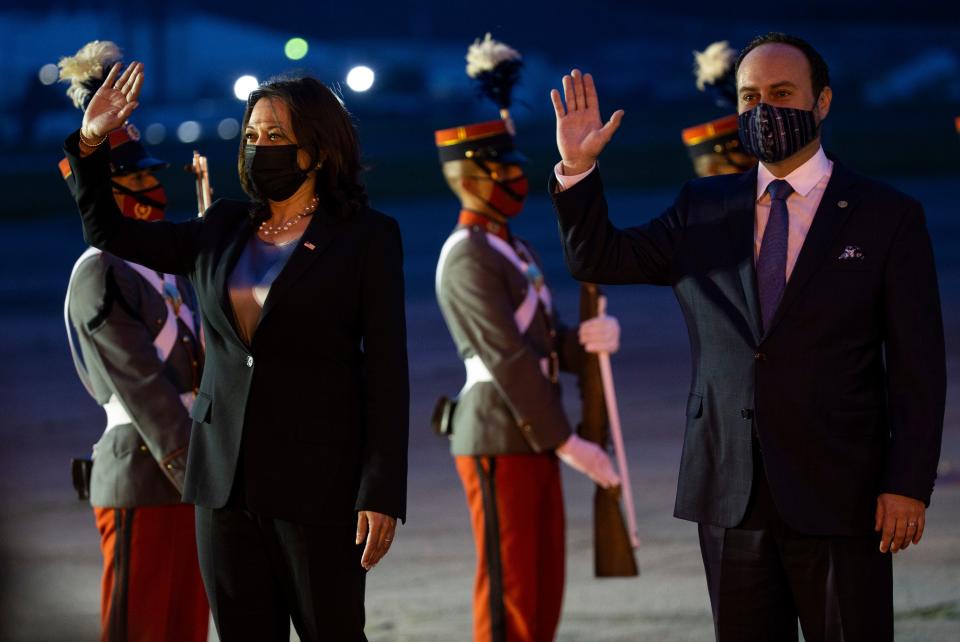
(581, 135)
(113, 103)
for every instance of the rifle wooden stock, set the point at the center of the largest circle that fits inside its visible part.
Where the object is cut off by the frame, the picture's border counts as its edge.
(613, 551)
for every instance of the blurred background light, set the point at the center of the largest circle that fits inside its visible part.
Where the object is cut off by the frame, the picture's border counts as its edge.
(296, 48)
(360, 78)
(244, 85)
(49, 73)
(188, 131)
(228, 128)
(155, 133)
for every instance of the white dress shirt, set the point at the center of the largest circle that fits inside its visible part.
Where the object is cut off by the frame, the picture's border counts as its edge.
(808, 182)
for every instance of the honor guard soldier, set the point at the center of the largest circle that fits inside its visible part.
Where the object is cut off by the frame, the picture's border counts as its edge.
(135, 338)
(714, 147)
(507, 426)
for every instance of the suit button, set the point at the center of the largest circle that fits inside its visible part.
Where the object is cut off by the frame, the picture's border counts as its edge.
(746, 413)
(143, 448)
(760, 356)
(249, 362)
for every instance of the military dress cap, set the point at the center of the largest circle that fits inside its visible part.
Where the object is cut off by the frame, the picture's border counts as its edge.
(717, 143)
(714, 146)
(127, 153)
(490, 141)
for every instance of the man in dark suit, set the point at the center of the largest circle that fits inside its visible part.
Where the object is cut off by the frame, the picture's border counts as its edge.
(816, 405)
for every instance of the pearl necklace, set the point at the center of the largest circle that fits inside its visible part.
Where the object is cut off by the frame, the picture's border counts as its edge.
(272, 230)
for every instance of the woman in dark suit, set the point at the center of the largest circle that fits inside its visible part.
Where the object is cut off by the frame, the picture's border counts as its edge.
(298, 454)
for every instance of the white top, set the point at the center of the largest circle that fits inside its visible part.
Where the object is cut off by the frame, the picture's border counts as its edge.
(808, 182)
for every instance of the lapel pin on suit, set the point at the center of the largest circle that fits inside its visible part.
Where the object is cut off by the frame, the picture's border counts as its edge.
(842, 204)
(309, 245)
(851, 252)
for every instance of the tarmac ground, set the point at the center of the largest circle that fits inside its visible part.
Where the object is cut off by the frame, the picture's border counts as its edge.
(50, 563)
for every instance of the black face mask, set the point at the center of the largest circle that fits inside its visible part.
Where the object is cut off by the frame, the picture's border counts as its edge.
(273, 170)
(773, 134)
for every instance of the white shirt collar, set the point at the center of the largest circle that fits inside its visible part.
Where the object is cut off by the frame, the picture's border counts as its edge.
(802, 180)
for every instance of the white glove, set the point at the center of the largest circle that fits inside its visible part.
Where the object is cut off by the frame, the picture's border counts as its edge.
(588, 458)
(600, 334)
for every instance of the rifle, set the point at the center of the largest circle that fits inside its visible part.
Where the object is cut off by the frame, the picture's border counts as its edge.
(613, 544)
(204, 192)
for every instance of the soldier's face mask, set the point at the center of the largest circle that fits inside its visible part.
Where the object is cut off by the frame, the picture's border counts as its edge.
(146, 204)
(507, 193)
(773, 134)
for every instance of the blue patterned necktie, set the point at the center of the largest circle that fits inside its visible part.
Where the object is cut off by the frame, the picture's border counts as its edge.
(772, 263)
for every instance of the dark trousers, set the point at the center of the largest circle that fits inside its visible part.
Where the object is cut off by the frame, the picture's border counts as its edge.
(763, 576)
(261, 572)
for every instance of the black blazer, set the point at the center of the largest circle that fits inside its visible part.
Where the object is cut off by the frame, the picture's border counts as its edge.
(315, 412)
(846, 389)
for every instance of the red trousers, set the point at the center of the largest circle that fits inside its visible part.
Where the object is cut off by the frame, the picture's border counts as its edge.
(516, 511)
(151, 590)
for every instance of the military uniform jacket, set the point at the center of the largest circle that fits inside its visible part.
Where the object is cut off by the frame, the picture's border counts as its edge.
(116, 315)
(519, 410)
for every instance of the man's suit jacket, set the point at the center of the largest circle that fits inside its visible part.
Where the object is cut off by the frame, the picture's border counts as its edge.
(116, 315)
(520, 411)
(315, 411)
(845, 390)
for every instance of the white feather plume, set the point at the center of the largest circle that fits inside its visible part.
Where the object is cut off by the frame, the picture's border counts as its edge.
(486, 54)
(713, 63)
(90, 63)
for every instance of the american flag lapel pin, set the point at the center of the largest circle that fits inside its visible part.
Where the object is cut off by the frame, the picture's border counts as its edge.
(309, 245)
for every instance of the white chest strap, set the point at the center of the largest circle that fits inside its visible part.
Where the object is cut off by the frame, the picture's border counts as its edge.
(77, 359)
(449, 244)
(165, 340)
(524, 314)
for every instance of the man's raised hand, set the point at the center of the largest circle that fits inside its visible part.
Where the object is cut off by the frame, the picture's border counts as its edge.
(581, 135)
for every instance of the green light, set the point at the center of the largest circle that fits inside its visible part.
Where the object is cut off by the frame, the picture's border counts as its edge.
(296, 48)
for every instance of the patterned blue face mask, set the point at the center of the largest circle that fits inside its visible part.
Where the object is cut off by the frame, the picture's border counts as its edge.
(773, 134)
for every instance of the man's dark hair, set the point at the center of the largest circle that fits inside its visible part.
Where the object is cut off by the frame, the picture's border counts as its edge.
(819, 72)
(324, 129)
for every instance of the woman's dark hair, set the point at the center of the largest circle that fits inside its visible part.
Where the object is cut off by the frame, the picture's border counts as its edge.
(325, 131)
(819, 72)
